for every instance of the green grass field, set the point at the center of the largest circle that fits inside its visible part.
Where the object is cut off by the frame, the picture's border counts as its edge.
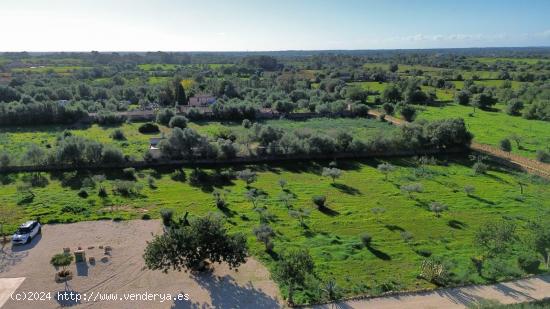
(46, 69)
(491, 127)
(332, 236)
(16, 140)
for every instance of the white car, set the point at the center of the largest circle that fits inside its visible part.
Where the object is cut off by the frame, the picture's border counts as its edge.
(26, 232)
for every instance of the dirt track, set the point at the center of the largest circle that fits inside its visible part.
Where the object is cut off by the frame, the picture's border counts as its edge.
(457, 298)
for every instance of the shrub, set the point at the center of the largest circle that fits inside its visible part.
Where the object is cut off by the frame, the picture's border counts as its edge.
(247, 123)
(388, 108)
(462, 97)
(408, 112)
(166, 215)
(102, 192)
(514, 107)
(148, 127)
(118, 135)
(178, 122)
(529, 262)
(109, 118)
(112, 155)
(434, 271)
(129, 173)
(319, 201)
(469, 189)
(505, 145)
(178, 175)
(164, 116)
(146, 217)
(366, 239)
(479, 168)
(151, 182)
(411, 188)
(424, 252)
(83, 193)
(126, 188)
(543, 156)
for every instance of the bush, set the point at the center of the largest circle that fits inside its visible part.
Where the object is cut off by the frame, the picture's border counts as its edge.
(178, 122)
(146, 217)
(408, 112)
(129, 173)
(505, 145)
(543, 156)
(424, 252)
(178, 175)
(529, 262)
(112, 155)
(102, 192)
(148, 127)
(366, 239)
(247, 123)
(166, 215)
(118, 135)
(388, 108)
(514, 107)
(83, 193)
(126, 188)
(110, 118)
(151, 182)
(479, 168)
(164, 116)
(319, 201)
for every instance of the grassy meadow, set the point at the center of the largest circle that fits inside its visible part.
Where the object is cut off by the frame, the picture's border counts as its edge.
(491, 127)
(361, 201)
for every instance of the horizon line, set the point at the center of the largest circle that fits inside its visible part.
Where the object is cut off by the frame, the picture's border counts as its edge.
(279, 50)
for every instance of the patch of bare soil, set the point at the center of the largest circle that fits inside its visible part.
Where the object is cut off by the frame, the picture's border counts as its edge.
(121, 272)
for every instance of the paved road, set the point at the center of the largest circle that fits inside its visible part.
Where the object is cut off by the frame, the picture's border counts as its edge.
(519, 291)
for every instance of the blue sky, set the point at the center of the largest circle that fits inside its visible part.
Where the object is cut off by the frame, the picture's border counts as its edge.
(124, 25)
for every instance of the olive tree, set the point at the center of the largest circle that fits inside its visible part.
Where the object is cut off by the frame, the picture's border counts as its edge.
(190, 247)
(332, 172)
(385, 168)
(247, 176)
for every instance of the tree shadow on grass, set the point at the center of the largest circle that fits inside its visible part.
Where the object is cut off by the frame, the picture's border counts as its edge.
(329, 212)
(480, 199)
(379, 254)
(455, 224)
(346, 189)
(394, 228)
(227, 212)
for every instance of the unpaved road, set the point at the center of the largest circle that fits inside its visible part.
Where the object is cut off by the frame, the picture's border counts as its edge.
(506, 293)
(122, 272)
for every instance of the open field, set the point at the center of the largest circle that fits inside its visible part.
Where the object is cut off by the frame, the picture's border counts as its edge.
(16, 140)
(361, 128)
(46, 69)
(491, 127)
(122, 271)
(331, 236)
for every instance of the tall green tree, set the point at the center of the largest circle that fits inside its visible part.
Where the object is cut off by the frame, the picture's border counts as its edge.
(181, 98)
